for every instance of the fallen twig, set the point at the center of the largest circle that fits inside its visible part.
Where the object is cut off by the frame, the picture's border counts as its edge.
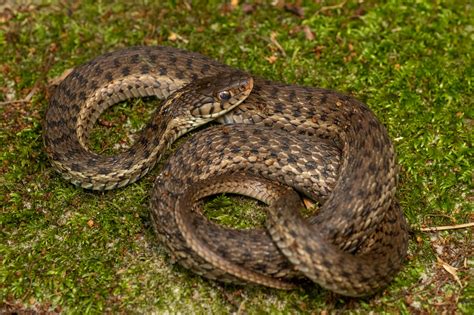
(332, 7)
(274, 41)
(26, 99)
(14, 102)
(447, 227)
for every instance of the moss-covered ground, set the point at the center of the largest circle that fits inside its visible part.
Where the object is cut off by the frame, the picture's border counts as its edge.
(65, 249)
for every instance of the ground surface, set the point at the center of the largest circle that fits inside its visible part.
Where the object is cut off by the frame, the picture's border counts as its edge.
(66, 249)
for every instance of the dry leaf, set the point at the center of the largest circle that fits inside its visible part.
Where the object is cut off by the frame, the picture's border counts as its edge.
(318, 51)
(308, 203)
(272, 59)
(450, 269)
(174, 37)
(308, 33)
(248, 8)
(6, 15)
(296, 9)
(90, 223)
(105, 123)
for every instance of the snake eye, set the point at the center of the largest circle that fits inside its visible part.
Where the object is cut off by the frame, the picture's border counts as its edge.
(224, 95)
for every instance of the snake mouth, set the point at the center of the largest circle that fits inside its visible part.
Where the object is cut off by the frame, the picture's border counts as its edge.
(240, 94)
(215, 96)
(240, 91)
(249, 86)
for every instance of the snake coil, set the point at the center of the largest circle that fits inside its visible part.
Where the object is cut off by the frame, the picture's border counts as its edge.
(325, 145)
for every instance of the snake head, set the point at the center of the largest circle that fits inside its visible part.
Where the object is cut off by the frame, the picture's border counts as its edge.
(204, 100)
(207, 98)
(214, 96)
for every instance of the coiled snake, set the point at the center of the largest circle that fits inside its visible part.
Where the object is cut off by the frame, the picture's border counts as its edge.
(327, 146)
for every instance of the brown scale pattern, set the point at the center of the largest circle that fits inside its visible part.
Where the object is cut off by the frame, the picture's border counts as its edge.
(326, 145)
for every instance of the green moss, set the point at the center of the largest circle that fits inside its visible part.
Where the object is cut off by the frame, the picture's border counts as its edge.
(67, 249)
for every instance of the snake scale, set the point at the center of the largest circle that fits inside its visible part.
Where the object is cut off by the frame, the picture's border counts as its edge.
(274, 142)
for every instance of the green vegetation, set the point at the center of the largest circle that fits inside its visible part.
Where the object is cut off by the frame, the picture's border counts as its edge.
(66, 249)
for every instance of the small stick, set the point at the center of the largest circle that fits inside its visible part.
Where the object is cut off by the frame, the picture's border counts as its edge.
(27, 99)
(447, 227)
(14, 102)
(332, 7)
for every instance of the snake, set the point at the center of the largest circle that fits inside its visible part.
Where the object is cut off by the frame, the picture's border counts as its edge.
(271, 141)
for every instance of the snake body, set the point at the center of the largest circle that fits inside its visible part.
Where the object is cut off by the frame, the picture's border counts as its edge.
(327, 146)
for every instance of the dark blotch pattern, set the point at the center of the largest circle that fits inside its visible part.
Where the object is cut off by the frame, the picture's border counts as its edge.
(359, 234)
